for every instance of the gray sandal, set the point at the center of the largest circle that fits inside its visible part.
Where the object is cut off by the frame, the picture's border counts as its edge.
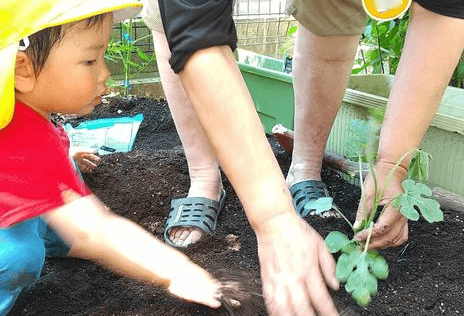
(306, 191)
(193, 212)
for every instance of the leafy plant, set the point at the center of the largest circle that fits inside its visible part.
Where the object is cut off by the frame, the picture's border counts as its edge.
(289, 45)
(364, 136)
(124, 51)
(359, 267)
(384, 42)
(381, 46)
(364, 139)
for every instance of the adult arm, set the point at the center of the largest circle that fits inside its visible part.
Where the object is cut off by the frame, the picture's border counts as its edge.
(93, 232)
(295, 266)
(432, 49)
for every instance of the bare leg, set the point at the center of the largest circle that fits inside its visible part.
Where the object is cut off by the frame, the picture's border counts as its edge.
(322, 69)
(205, 177)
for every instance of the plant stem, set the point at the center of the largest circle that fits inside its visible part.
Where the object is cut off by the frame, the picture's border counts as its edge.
(363, 193)
(380, 49)
(141, 38)
(346, 219)
(384, 208)
(368, 240)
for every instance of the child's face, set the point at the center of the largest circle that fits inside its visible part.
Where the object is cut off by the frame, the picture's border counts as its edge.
(75, 73)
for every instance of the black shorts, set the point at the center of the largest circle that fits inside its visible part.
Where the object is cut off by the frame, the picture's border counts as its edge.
(451, 8)
(191, 25)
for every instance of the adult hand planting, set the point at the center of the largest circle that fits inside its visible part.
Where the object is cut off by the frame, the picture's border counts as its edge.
(295, 268)
(391, 230)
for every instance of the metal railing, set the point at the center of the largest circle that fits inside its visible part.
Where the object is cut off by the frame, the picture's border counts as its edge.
(262, 27)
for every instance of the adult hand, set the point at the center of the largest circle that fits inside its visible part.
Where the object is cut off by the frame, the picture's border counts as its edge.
(192, 283)
(391, 230)
(295, 267)
(86, 159)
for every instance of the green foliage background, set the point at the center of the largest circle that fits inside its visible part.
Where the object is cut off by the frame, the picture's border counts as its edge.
(381, 47)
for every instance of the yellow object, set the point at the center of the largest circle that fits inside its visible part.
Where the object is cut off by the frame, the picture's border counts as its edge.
(19, 19)
(386, 10)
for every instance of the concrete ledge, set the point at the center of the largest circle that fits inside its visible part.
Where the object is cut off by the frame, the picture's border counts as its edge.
(145, 87)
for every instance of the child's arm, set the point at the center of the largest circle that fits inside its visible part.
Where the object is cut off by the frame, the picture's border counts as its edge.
(95, 233)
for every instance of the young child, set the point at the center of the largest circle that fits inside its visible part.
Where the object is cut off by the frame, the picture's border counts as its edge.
(45, 209)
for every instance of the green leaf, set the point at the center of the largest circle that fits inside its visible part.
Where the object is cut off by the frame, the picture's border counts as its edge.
(292, 30)
(377, 114)
(346, 264)
(378, 265)
(132, 63)
(368, 30)
(336, 241)
(419, 166)
(142, 55)
(356, 71)
(360, 270)
(382, 28)
(375, 33)
(349, 248)
(418, 195)
(320, 205)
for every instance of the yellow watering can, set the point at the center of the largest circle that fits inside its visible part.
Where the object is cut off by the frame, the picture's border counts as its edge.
(19, 19)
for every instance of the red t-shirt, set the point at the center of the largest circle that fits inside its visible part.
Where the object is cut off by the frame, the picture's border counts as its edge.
(34, 167)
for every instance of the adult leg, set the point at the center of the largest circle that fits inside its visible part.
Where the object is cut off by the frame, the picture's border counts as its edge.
(205, 177)
(322, 70)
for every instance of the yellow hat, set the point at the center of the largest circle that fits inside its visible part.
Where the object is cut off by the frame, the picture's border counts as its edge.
(19, 19)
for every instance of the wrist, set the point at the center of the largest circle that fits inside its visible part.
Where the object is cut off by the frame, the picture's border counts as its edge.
(392, 159)
(385, 165)
(274, 223)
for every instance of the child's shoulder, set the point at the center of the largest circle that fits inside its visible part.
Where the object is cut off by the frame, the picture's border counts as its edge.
(30, 136)
(25, 125)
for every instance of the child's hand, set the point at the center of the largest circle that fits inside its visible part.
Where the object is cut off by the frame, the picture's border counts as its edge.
(194, 284)
(93, 232)
(86, 159)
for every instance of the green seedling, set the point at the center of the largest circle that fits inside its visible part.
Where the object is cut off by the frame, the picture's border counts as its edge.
(357, 266)
(125, 51)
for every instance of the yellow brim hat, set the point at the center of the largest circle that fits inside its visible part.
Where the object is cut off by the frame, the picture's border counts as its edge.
(23, 18)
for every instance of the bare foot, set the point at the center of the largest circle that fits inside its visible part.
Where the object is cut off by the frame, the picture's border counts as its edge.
(296, 175)
(184, 236)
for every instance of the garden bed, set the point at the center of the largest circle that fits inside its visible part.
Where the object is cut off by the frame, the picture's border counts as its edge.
(425, 275)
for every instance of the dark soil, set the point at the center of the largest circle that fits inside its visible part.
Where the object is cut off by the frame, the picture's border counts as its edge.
(426, 275)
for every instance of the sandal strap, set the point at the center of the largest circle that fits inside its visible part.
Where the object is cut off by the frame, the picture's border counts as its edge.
(306, 191)
(194, 212)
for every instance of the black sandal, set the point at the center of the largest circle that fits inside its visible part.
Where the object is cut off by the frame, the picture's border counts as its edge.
(307, 191)
(197, 212)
